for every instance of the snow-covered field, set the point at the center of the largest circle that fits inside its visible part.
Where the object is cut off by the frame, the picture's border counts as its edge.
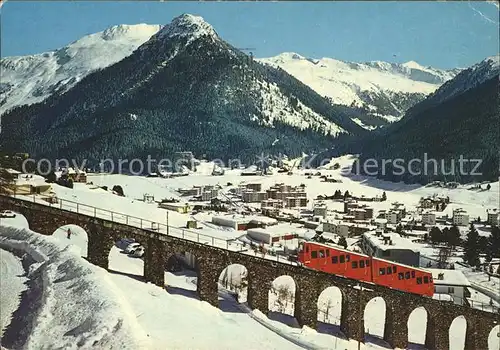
(71, 303)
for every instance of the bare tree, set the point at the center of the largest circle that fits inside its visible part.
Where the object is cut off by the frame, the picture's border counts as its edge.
(444, 256)
(283, 296)
(325, 310)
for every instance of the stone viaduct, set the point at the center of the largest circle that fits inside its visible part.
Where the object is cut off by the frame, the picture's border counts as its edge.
(211, 261)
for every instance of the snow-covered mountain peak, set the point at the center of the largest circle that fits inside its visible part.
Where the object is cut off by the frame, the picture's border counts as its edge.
(187, 25)
(413, 65)
(31, 79)
(494, 61)
(136, 30)
(468, 79)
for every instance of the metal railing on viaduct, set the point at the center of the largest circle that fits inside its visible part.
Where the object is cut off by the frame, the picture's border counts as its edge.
(214, 254)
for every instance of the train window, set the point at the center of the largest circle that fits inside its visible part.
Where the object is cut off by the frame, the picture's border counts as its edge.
(335, 259)
(400, 276)
(407, 275)
(361, 263)
(354, 264)
(426, 279)
(342, 259)
(381, 271)
(413, 274)
(314, 254)
(419, 280)
(367, 262)
(389, 270)
(451, 290)
(327, 253)
(307, 249)
(321, 253)
(347, 257)
(394, 269)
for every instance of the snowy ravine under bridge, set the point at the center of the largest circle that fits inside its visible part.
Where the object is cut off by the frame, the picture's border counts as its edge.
(113, 309)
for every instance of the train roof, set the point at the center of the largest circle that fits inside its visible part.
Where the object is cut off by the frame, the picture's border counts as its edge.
(334, 246)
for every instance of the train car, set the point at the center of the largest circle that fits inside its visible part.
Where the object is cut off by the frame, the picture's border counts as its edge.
(403, 277)
(335, 260)
(342, 262)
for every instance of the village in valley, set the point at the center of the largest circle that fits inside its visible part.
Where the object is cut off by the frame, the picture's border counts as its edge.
(449, 231)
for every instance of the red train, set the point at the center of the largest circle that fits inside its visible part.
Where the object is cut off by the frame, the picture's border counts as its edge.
(365, 268)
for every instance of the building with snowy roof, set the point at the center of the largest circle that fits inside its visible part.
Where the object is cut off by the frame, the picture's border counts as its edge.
(390, 246)
(272, 235)
(452, 283)
(242, 223)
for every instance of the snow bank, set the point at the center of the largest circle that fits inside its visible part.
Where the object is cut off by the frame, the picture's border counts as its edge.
(77, 304)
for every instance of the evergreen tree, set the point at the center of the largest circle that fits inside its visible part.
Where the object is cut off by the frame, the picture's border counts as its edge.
(471, 247)
(453, 236)
(493, 244)
(435, 235)
(399, 229)
(51, 177)
(488, 187)
(119, 190)
(346, 194)
(342, 242)
(384, 196)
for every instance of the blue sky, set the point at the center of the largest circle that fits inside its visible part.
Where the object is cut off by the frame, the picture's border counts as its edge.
(443, 35)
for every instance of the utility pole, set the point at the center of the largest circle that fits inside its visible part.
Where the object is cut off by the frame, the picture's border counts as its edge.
(361, 330)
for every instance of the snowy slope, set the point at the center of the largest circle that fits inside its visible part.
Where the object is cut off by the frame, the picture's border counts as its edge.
(467, 79)
(31, 79)
(368, 85)
(276, 107)
(71, 303)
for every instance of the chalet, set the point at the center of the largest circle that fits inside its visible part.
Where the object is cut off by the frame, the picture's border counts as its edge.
(320, 210)
(75, 174)
(24, 184)
(182, 208)
(451, 283)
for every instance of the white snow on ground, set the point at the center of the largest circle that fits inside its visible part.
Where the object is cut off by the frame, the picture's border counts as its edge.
(80, 306)
(11, 274)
